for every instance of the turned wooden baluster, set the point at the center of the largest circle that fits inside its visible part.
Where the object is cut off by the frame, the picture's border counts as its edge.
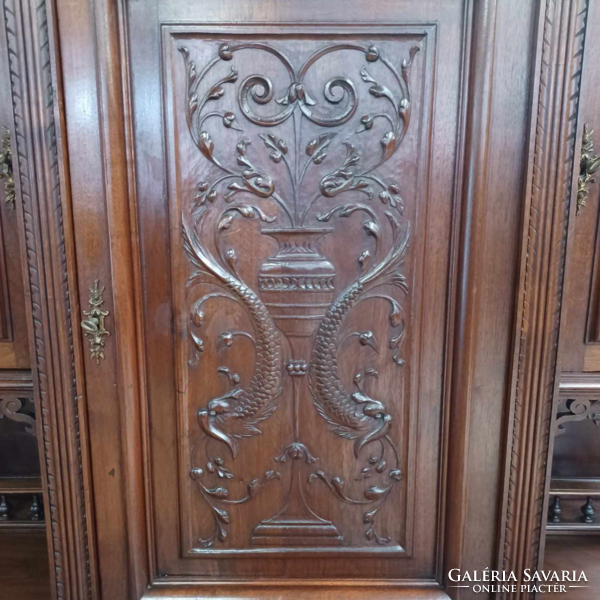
(555, 511)
(588, 511)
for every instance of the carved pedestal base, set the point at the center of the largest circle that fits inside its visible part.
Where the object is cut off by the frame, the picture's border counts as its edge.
(296, 524)
(282, 531)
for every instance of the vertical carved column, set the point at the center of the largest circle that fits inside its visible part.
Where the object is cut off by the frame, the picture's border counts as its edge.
(44, 214)
(550, 188)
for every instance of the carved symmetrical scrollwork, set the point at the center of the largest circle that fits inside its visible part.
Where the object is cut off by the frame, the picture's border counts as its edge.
(298, 271)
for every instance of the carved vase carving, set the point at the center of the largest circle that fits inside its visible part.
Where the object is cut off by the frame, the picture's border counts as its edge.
(297, 284)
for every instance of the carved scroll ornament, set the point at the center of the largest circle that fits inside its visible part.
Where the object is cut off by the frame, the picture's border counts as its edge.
(577, 410)
(12, 408)
(297, 295)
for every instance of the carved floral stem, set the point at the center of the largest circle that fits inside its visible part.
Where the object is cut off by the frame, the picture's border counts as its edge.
(235, 415)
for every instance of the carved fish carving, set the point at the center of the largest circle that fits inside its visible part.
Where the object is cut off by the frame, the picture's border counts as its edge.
(354, 416)
(236, 414)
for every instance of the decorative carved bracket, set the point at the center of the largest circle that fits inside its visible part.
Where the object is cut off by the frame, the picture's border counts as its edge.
(578, 410)
(11, 409)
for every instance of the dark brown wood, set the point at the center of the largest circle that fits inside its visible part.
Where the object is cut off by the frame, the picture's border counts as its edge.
(574, 553)
(356, 486)
(23, 548)
(576, 449)
(579, 348)
(25, 573)
(470, 264)
(548, 193)
(40, 184)
(14, 344)
(18, 430)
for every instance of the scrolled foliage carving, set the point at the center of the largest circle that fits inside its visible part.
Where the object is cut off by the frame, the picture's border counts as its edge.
(242, 191)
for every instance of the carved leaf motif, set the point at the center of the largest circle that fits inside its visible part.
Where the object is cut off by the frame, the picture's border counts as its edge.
(366, 123)
(247, 211)
(316, 147)
(388, 143)
(396, 474)
(375, 493)
(369, 517)
(363, 259)
(198, 342)
(377, 90)
(396, 314)
(222, 515)
(225, 52)
(225, 222)
(278, 147)
(372, 54)
(395, 344)
(218, 492)
(206, 145)
(371, 228)
(255, 485)
(216, 92)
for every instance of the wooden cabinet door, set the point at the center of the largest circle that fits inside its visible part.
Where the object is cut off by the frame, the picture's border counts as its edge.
(301, 240)
(296, 371)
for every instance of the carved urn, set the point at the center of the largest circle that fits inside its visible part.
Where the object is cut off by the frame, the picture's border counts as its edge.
(297, 284)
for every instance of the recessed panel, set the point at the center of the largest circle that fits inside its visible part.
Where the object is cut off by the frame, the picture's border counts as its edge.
(295, 169)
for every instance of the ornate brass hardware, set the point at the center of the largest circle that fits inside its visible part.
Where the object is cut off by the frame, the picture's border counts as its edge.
(589, 163)
(93, 326)
(6, 170)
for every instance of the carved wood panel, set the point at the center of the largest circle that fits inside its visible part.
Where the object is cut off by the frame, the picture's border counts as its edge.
(296, 353)
(142, 504)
